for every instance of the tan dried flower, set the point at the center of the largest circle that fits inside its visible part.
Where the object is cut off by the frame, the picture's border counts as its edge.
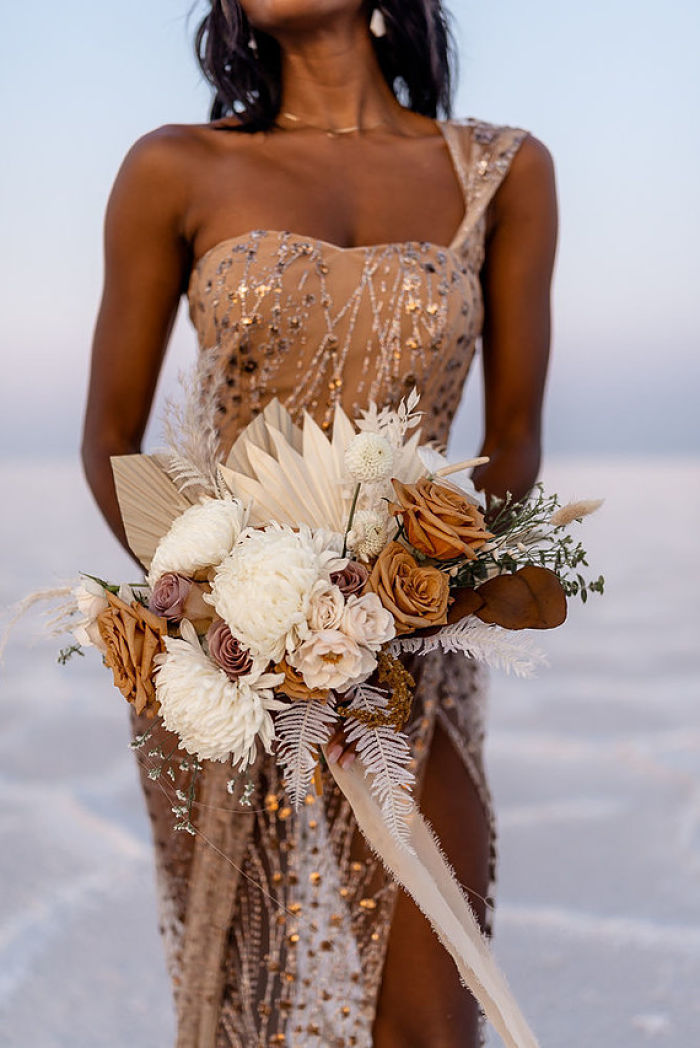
(133, 636)
(438, 520)
(295, 687)
(574, 511)
(416, 595)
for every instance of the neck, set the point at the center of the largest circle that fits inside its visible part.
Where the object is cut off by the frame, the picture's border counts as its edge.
(331, 77)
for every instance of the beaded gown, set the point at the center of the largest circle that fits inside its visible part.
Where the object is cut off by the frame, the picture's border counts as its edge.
(276, 922)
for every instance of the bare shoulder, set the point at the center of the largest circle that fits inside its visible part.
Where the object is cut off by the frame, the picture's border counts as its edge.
(528, 190)
(160, 171)
(531, 171)
(532, 160)
(163, 155)
(170, 155)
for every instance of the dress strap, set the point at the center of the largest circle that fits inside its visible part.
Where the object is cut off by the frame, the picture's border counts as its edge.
(482, 154)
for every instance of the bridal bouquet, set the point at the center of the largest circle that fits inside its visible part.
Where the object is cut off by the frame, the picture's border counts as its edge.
(284, 582)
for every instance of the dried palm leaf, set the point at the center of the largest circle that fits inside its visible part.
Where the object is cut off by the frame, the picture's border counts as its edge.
(149, 501)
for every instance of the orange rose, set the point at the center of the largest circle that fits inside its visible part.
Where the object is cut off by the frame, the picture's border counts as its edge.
(294, 685)
(416, 595)
(439, 521)
(133, 636)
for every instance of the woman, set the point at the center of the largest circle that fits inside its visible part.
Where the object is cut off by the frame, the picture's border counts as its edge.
(337, 243)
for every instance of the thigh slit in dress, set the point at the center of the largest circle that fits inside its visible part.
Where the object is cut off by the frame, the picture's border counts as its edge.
(276, 922)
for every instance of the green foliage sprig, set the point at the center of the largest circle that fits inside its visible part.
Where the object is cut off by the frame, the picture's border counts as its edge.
(524, 535)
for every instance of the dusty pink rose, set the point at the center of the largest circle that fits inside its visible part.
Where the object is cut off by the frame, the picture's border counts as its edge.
(226, 651)
(351, 579)
(169, 595)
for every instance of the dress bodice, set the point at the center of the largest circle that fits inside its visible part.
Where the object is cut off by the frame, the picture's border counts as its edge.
(313, 323)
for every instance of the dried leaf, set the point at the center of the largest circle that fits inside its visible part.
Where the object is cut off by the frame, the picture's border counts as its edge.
(531, 598)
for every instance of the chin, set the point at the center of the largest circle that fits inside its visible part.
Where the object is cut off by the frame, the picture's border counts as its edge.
(271, 15)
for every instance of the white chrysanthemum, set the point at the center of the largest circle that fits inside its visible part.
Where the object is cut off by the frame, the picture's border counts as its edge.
(367, 621)
(329, 546)
(369, 457)
(214, 717)
(91, 600)
(199, 538)
(331, 659)
(326, 606)
(368, 535)
(262, 590)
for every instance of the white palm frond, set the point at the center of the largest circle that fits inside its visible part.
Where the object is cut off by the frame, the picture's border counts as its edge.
(300, 729)
(256, 433)
(291, 475)
(499, 648)
(189, 426)
(297, 475)
(385, 754)
(149, 501)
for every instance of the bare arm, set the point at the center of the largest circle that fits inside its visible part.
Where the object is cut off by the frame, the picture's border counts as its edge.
(146, 265)
(516, 280)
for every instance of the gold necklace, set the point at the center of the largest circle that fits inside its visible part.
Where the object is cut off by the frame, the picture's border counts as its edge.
(330, 131)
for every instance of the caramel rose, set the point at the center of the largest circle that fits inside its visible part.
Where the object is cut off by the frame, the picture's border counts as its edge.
(226, 651)
(133, 636)
(351, 579)
(439, 521)
(294, 685)
(169, 595)
(416, 595)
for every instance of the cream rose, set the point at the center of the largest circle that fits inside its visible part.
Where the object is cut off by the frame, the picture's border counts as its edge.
(92, 601)
(326, 606)
(330, 659)
(367, 621)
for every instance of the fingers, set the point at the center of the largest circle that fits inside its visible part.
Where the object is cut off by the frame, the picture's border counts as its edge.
(339, 750)
(338, 736)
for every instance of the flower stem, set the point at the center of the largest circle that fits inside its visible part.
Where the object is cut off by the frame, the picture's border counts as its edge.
(353, 506)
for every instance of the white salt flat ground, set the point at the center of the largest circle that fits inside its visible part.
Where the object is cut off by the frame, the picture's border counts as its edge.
(595, 767)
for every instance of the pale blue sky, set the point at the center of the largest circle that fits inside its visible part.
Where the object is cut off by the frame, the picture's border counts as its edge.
(612, 88)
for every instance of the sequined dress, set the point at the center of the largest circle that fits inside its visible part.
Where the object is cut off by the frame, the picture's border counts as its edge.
(276, 923)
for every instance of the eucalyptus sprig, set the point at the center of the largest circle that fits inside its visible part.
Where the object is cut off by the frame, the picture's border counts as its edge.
(524, 535)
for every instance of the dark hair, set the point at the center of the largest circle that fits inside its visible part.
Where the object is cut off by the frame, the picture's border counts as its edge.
(417, 57)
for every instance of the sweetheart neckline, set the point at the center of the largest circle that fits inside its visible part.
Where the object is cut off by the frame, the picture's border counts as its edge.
(451, 248)
(448, 248)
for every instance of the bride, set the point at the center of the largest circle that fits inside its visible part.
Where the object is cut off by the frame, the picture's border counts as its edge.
(340, 238)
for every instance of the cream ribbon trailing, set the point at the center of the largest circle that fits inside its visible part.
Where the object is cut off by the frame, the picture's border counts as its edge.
(431, 882)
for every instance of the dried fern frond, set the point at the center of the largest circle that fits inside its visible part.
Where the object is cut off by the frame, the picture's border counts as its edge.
(499, 648)
(300, 729)
(385, 754)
